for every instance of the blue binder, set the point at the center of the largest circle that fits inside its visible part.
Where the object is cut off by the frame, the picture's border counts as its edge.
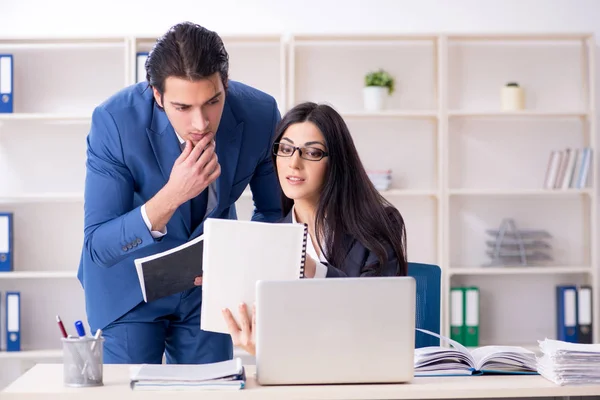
(6, 242)
(566, 313)
(13, 321)
(6, 83)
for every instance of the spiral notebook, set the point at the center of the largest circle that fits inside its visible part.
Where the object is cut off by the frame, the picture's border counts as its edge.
(237, 254)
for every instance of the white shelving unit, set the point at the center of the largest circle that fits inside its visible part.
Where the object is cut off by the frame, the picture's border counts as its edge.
(459, 164)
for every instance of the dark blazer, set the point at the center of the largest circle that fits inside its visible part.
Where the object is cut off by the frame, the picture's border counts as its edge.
(359, 260)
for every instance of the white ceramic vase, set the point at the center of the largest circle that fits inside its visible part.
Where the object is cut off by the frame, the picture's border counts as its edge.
(513, 98)
(374, 97)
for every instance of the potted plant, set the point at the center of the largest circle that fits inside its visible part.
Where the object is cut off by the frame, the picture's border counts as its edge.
(378, 85)
(512, 97)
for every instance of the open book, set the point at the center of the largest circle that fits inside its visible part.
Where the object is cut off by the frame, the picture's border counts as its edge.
(170, 272)
(238, 254)
(435, 360)
(225, 375)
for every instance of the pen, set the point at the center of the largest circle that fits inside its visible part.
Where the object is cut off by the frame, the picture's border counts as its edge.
(80, 329)
(96, 337)
(62, 327)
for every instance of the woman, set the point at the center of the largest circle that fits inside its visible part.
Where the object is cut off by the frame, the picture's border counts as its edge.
(353, 230)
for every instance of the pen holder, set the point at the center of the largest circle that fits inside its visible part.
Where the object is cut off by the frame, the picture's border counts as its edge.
(82, 361)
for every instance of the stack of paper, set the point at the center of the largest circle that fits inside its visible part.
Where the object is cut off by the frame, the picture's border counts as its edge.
(567, 363)
(226, 375)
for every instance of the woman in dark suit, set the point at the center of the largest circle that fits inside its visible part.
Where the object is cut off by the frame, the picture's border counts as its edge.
(353, 230)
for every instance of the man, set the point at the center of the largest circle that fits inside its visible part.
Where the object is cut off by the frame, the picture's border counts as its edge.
(162, 157)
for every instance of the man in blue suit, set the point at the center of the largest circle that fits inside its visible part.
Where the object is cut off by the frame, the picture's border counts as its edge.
(162, 157)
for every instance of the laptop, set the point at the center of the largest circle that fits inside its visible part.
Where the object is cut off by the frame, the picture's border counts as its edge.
(328, 331)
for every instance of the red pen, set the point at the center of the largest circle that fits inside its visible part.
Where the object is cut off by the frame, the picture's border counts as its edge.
(62, 327)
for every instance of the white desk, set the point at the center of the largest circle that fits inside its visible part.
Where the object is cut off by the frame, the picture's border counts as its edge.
(44, 381)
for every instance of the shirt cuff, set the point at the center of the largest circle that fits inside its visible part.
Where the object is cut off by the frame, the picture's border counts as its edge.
(155, 234)
(320, 270)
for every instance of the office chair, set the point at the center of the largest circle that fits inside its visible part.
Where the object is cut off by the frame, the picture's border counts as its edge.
(428, 279)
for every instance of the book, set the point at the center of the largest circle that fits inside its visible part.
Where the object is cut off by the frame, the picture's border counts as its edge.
(224, 375)
(238, 254)
(482, 360)
(171, 271)
(458, 360)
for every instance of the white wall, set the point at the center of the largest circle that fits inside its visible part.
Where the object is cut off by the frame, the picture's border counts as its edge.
(118, 17)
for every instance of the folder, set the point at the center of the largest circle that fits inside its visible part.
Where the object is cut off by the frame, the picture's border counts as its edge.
(6, 242)
(566, 313)
(140, 74)
(471, 316)
(584, 314)
(6, 83)
(238, 254)
(13, 321)
(457, 315)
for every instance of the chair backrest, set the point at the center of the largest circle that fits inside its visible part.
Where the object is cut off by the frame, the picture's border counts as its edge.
(428, 279)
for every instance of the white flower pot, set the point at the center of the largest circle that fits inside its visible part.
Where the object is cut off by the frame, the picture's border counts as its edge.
(374, 97)
(513, 98)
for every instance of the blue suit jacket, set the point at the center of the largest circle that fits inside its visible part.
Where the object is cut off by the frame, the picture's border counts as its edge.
(131, 150)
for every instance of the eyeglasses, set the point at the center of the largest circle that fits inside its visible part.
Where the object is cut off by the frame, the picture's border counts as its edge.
(307, 153)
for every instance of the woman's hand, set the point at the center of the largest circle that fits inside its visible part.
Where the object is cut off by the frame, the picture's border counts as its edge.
(241, 335)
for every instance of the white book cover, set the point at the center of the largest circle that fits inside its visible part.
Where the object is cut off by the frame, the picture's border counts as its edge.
(237, 254)
(552, 171)
(576, 169)
(566, 182)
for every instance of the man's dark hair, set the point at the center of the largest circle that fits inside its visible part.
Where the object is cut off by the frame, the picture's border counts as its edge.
(187, 51)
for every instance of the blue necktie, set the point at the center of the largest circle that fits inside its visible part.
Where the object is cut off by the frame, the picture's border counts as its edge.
(198, 204)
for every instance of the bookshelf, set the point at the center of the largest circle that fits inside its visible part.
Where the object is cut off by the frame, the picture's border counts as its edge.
(459, 164)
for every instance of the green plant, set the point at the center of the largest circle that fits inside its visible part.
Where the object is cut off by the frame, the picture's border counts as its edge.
(512, 84)
(380, 78)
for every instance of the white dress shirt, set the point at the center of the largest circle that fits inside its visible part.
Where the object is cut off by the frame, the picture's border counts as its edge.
(212, 202)
(321, 270)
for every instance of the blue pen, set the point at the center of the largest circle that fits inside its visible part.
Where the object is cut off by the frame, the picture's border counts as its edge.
(80, 328)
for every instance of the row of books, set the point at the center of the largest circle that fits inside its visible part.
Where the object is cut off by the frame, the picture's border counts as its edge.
(568, 169)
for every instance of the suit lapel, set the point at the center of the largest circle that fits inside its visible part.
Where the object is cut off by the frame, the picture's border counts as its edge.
(166, 148)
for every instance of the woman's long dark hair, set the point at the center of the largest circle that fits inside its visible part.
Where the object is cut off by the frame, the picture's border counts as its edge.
(349, 204)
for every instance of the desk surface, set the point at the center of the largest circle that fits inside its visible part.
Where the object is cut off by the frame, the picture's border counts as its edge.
(44, 381)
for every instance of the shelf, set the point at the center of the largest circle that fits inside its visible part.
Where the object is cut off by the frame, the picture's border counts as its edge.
(360, 40)
(520, 36)
(513, 114)
(408, 193)
(31, 354)
(533, 270)
(38, 275)
(47, 117)
(60, 43)
(408, 114)
(519, 192)
(42, 198)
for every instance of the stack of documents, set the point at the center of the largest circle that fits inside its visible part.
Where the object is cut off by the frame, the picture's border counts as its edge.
(226, 375)
(566, 363)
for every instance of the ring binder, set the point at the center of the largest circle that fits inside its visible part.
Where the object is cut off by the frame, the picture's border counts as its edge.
(238, 254)
(304, 244)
